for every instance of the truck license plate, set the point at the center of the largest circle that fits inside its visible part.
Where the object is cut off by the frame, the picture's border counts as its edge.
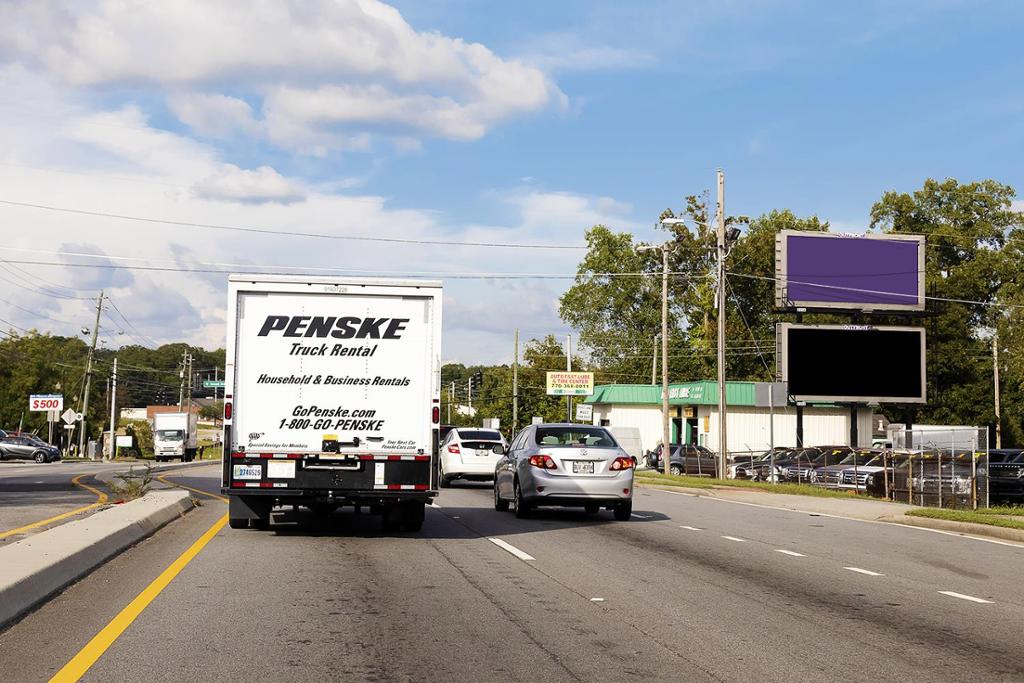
(248, 472)
(579, 467)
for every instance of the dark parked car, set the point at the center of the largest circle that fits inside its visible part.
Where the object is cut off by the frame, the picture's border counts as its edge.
(855, 463)
(807, 462)
(689, 459)
(25, 447)
(1006, 476)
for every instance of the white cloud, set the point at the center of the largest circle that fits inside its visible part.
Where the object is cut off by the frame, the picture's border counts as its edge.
(309, 66)
(262, 185)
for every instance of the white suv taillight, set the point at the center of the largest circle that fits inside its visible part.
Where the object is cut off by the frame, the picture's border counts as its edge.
(454, 448)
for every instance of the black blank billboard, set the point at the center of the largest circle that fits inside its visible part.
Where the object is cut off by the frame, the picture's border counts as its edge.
(853, 363)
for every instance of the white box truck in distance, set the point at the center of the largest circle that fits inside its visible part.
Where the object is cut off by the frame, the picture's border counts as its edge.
(174, 436)
(332, 396)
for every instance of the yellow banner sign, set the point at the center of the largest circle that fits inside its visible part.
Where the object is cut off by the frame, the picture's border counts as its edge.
(570, 383)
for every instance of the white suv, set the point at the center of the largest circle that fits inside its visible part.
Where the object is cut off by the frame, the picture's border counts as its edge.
(470, 453)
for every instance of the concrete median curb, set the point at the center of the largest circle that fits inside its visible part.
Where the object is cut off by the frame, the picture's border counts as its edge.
(33, 569)
(966, 528)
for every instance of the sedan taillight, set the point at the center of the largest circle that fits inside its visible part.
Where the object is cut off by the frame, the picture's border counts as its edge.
(621, 464)
(454, 448)
(543, 461)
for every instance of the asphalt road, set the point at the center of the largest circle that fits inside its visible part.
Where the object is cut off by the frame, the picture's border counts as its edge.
(690, 589)
(30, 492)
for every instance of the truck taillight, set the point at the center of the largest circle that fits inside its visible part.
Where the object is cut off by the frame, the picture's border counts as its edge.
(435, 414)
(227, 410)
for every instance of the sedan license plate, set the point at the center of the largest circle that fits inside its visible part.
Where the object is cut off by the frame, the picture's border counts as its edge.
(582, 467)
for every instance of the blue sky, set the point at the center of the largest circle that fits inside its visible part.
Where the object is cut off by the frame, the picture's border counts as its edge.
(465, 120)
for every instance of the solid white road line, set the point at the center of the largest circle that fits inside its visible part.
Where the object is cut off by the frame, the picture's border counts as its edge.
(640, 516)
(891, 525)
(435, 505)
(691, 528)
(863, 571)
(512, 549)
(733, 538)
(966, 597)
(789, 552)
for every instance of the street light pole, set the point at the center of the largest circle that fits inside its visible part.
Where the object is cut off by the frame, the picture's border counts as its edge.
(721, 249)
(666, 431)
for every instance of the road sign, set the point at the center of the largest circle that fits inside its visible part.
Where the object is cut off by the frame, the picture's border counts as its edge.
(213, 384)
(584, 412)
(69, 416)
(42, 402)
(537, 420)
(570, 383)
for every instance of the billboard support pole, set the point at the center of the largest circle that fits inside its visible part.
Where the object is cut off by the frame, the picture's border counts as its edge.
(800, 424)
(853, 426)
(723, 449)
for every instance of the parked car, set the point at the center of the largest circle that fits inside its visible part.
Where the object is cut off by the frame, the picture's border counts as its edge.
(1006, 476)
(763, 471)
(860, 464)
(811, 459)
(931, 476)
(469, 453)
(564, 465)
(25, 447)
(689, 459)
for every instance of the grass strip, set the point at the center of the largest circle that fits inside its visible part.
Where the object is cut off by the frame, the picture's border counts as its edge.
(972, 516)
(709, 483)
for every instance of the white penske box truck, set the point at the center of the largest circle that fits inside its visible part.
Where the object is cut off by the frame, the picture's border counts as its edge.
(174, 436)
(332, 396)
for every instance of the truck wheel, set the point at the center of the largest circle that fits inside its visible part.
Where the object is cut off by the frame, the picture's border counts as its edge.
(238, 522)
(391, 518)
(412, 517)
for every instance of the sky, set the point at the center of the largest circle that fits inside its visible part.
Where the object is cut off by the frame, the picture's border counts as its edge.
(453, 121)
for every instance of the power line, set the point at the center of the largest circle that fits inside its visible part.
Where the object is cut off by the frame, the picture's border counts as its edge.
(289, 233)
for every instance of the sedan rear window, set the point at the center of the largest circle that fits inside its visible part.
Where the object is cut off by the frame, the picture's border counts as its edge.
(478, 435)
(578, 437)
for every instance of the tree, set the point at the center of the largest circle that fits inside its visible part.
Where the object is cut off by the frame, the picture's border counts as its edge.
(966, 227)
(212, 411)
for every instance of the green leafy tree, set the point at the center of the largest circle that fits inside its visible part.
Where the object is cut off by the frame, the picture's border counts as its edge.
(966, 226)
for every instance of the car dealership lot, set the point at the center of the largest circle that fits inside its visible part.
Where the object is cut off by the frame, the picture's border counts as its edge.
(691, 587)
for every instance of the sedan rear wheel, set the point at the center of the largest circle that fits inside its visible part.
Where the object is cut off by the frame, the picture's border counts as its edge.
(521, 506)
(676, 470)
(500, 504)
(592, 508)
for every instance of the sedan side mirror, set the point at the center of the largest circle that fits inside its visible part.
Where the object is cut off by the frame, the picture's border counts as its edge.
(499, 449)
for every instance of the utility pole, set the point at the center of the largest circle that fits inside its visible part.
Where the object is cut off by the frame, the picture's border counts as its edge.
(181, 376)
(451, 399)
(723, 449)
(113, 414)
(666, 432)
(654, 361)
(568, 368)
(995, 377)
(515, 386)
(469, 391)
(88, 375)
(188, 399)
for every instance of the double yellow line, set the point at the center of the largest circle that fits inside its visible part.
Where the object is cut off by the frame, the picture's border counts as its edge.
(94, 649)
(101, 499)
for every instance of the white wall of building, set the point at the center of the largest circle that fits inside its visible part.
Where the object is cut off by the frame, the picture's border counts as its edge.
(749, 427)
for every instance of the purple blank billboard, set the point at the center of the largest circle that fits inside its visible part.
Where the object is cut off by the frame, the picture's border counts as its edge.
(862, 272)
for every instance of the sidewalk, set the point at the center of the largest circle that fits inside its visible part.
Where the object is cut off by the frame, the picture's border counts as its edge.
(863, 508)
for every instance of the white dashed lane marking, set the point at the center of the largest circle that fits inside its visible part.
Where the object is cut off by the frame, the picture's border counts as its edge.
(863, 571)
(691, 528)
(596, 599)
(641, 516)
(733, 538)
(789, 552)
(512, 549)
(971, 598)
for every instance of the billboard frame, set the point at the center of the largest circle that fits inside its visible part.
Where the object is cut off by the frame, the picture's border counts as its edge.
(782, 359)
(782, 273)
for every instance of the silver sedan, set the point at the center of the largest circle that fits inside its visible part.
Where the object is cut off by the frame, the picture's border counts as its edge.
(564, 465)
